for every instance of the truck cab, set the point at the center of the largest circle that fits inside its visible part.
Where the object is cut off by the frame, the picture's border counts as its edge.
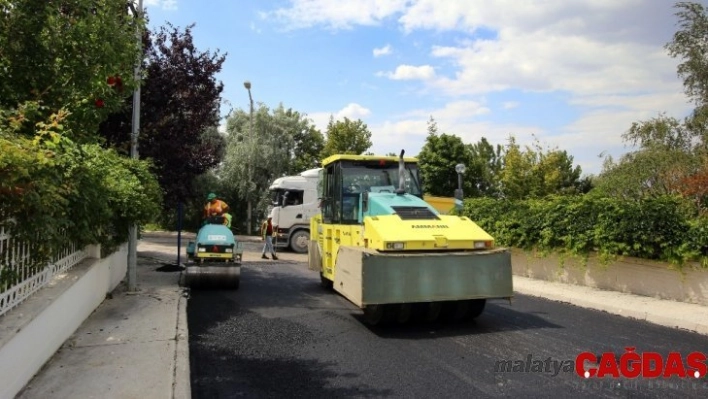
(294, 201)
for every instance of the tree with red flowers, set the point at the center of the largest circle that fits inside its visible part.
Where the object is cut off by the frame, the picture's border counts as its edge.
(59, 54)
(180, 102)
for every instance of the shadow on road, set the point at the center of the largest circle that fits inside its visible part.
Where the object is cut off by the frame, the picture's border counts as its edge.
(497, 318)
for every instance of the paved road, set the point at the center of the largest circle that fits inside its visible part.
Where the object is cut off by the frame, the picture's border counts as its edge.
(282, 335)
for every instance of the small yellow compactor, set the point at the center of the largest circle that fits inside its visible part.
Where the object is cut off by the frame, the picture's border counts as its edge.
(378, 243)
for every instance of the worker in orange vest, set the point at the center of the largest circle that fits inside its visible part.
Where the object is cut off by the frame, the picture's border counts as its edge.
(215, 207)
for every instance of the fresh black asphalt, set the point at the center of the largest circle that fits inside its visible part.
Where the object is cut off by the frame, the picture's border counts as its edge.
(281, 335)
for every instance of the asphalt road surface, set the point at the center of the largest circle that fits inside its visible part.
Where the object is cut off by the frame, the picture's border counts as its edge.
(281, 335)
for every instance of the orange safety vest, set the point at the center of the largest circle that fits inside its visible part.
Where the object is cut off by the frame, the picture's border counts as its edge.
(215, 208)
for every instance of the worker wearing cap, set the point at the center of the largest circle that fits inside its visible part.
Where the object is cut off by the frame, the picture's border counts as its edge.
(214, 206)
(267, 233)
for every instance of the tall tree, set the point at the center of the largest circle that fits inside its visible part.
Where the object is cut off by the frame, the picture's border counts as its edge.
(308, 147)
(672, 154)
(651, 171)
(346, 137)
(283, 142)
(516, 176)
(179, 111)
(64, 66)
(667, 153)
(534, 172)
(438, 158)
(690, 44)
(307, 140)
(485, 163)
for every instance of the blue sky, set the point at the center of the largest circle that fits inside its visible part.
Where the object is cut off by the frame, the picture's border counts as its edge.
(573, 74)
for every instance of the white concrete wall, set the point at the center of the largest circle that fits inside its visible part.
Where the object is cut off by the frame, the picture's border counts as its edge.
(35, 330)
(118, 265)
(629, 275)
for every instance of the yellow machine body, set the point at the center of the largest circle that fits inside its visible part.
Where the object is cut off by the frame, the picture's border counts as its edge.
(389, 251)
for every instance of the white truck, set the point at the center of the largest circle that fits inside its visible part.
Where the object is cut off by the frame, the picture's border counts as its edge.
(294, 201)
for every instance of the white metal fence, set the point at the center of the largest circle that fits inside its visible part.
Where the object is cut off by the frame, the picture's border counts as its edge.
(19, 279)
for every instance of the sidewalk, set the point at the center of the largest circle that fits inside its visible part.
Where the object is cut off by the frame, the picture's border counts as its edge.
(135, 344)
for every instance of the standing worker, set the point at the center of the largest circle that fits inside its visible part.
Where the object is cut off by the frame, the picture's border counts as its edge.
(267, 236)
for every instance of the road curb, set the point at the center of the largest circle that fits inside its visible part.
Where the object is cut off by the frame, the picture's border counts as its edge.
(633, 306)
(181, 384)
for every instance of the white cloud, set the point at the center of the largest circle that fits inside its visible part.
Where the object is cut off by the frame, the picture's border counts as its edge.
(539, 62)
(596, 132)
(169, 5)
(604, 57)
(336, 14)
(410, 72)
(461, 118)
(386, 50)
(452, 111)
(351, 111)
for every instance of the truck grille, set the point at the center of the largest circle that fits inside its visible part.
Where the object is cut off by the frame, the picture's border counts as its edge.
(414, 213)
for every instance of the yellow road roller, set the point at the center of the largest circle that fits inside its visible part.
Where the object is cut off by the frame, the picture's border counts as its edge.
(377, 242)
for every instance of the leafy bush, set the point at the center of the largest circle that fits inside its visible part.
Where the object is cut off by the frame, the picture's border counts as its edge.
(54, 191)
(662, 228)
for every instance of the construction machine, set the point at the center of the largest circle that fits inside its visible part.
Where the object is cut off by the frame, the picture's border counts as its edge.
(214, 257)
(377, 242)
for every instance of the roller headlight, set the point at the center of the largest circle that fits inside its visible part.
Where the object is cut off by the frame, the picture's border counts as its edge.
(395, 245)
(482, 244)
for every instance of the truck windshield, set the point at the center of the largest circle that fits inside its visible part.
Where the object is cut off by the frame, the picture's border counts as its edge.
(379, 177)
(283, 197)
(276, 197)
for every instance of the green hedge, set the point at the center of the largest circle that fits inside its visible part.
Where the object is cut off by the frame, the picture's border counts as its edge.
(54, 192)
(660, 228)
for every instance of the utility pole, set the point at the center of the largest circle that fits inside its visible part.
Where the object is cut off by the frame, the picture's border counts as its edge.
(133, 229)
(251, 150)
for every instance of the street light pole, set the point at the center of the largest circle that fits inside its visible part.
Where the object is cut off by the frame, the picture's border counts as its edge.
(459, 195)
(249, 221)
(133, 229)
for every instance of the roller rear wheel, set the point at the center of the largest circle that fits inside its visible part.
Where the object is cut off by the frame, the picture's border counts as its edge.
(427, 312)
(477, 307)
(325, 282)
(375, 315)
